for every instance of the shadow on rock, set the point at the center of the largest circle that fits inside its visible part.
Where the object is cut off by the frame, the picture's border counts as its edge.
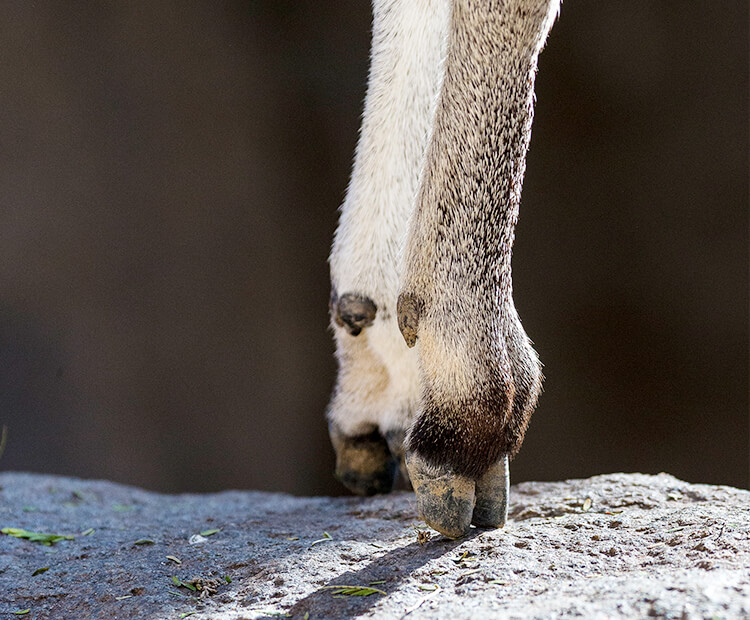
(393, 568)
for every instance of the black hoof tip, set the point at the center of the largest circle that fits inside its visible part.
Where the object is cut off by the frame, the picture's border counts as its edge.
(374, 483)
(364, 464)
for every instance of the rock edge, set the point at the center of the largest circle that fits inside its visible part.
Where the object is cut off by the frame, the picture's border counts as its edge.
(611, 546)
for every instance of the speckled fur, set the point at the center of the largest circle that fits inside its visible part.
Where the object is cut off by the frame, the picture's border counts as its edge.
(443, 141)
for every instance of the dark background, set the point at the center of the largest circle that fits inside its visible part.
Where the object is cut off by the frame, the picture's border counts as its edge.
(169, 179)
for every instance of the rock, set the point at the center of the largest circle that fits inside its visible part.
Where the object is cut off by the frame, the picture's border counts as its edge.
(612, 546)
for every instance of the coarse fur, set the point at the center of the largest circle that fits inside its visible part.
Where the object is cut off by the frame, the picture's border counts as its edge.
(426, 233)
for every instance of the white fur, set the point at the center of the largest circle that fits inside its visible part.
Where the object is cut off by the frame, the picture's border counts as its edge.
(379, 376)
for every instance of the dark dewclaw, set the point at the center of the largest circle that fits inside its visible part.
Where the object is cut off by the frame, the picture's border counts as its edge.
(408, 310)
(353, 312)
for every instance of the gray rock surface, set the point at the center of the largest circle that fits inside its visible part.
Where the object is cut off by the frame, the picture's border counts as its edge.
(612, 546)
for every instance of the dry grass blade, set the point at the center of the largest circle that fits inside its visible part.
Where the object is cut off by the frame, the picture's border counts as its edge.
(326, 538)
(181, 584)
(421, 601)
(45, 539)
(344, 590)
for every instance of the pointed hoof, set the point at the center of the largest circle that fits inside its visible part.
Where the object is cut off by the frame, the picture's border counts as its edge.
(445, 500)
(364, 464)
(492, 490)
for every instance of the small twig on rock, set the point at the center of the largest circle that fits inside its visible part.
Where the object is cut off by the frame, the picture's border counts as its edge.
(421, 601)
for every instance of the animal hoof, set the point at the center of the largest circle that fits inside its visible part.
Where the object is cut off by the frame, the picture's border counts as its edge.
(492, 490)
(364, 464)
(353, 312)
(395, 439)
(445, 500)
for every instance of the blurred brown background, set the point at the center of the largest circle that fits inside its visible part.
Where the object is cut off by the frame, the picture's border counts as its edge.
(169, 179)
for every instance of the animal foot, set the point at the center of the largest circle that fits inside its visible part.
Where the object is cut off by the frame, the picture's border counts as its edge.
(450, 503)
(364, 463)
(352, 312)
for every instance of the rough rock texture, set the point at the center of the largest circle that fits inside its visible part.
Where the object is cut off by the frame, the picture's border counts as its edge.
(607, 547)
